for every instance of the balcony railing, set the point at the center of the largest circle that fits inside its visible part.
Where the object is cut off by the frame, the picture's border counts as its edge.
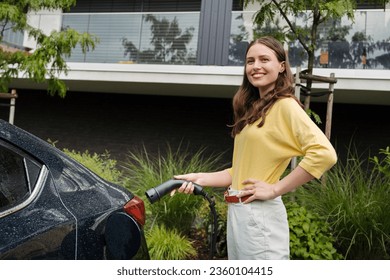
(364, 43)
(163, 38)
(172, 38)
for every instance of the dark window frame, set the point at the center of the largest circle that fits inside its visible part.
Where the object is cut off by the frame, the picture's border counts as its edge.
(370, 5)
(31, 181)
(138, 6)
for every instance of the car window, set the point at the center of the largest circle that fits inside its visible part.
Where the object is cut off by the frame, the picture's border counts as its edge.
(18, 176)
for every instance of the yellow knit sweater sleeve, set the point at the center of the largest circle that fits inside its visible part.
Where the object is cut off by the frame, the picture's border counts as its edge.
(317, 151)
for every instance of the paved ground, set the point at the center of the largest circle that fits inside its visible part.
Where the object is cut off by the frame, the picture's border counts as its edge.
(123, 123)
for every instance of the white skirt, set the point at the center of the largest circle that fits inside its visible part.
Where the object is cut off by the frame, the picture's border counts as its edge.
(258, 230)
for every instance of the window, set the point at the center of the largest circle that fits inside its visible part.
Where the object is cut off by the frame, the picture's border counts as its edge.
(370, 4)
(18, 176)
(126, 6)
(237, 5)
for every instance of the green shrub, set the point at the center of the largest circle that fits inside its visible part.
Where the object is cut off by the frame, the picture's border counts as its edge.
(382, 165)
(144, 171)
(354, 198)
(165, 244)
(310, 236)
(101, 164)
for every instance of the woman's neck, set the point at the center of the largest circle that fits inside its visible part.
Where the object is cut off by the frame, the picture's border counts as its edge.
(264, 91)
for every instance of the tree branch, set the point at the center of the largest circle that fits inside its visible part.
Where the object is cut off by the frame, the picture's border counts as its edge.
(284, 15)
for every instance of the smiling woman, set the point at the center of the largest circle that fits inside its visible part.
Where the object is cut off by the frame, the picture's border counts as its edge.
(270, 128)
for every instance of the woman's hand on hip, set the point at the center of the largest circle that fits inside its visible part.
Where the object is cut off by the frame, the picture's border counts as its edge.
(257, 190)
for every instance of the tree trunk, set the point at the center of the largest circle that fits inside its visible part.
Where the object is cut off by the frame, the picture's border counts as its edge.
(309, 82)
(310, 54)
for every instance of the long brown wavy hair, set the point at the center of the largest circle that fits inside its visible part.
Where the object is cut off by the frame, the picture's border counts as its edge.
(248, 107)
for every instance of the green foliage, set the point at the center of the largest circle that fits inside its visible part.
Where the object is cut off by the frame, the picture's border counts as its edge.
(311, 12)
(144, 171)
(382, 165)
(168, 244)
(322, 9)
(355, 199)
(314, 115)
(36, 5)
(318, 11)
(47, 62)
(101, 164)
(310, 235)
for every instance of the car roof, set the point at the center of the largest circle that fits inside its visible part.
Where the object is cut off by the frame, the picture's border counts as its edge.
(30, 143)
(55, 159)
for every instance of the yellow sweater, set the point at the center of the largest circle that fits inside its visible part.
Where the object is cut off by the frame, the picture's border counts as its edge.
(264, 153)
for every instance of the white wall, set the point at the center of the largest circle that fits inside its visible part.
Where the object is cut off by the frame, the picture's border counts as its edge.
(45, 20)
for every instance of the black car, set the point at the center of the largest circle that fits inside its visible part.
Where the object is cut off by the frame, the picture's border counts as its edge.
(52, 207)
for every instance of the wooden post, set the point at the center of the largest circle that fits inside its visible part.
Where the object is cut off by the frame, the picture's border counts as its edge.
(331, 81)
(12, 107)
(297, 82)
(12, 97)
(298, 95)
(329, 109)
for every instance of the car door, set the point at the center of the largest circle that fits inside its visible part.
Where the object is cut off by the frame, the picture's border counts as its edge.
(34, 224)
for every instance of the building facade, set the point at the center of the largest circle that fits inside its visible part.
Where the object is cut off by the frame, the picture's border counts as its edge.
(197, 48)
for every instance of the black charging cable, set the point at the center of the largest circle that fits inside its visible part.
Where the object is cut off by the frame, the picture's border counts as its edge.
(154, 194)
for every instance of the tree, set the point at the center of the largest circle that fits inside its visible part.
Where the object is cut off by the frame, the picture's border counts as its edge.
(312, 12)
(47, 61)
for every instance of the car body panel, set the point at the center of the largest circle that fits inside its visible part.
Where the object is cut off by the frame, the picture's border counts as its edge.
(36, 230)
(66, 215)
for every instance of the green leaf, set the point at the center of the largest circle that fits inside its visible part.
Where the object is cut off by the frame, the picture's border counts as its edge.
(46, 63)
(306, 227)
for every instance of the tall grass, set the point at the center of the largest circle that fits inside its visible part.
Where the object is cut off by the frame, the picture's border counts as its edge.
(355, 199)
(143, 171)
(167, 244)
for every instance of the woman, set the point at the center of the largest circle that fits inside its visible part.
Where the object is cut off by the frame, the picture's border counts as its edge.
(270, 127)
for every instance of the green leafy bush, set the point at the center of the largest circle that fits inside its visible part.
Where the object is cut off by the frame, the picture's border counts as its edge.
(382, 164)
(354, 198)
(310, 236)
(101, 164)
(168, 244)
